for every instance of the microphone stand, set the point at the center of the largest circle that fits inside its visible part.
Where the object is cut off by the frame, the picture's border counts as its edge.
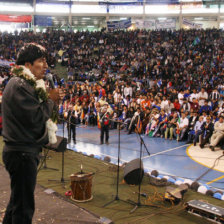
(116, 198)
(62, 162)
(138, 203)
(44, 156)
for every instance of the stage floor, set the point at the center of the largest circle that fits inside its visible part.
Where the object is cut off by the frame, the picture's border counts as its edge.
(168, 157)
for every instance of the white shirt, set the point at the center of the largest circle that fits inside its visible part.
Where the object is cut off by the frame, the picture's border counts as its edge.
(192, 96)
(164, 104)
(180, 98)
(128, 91)
(183, 122)
(198, 125)
(204, 95)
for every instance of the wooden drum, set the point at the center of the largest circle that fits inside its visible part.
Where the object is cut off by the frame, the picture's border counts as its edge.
(81, 185)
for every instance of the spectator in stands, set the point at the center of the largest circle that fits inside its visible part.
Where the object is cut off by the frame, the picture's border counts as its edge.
(202, 96)
(198, 129)
(171, 125)
(207, 130)
(218, 133)
(205, 108)
(182, 126)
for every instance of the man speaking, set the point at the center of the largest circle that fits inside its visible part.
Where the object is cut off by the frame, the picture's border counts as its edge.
(27, 111)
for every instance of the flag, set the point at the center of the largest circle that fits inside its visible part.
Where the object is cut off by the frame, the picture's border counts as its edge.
(61, 109)
(56, 84)
(159, 83)
(138, 128)
(196, 41)
(98, 121)
(123, 68)
(82, 115)
(101, 93)
(147, 129)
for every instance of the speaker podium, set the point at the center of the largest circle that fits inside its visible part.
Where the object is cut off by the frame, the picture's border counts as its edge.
(134, 172)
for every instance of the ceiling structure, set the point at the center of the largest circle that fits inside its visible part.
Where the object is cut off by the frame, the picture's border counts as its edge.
(98, 19)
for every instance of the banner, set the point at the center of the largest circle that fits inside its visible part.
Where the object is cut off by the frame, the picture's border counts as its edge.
(162, 2)
(150, 24)
(16, 19)
(139, 2)
(122, 3)
(191, 24)
(166, 24)
(43, 21)
(122, 24)
(54, 2)
(5, 63)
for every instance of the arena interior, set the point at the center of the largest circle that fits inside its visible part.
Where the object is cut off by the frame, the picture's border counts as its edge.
(141, 111)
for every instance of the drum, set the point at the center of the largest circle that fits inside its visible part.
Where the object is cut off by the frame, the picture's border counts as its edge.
(81, 185)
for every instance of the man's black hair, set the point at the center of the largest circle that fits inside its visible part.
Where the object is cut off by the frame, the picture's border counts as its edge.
(30, 52)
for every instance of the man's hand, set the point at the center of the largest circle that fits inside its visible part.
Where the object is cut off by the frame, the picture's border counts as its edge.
(54, 95)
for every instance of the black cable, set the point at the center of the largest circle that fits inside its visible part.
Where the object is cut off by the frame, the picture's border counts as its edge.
(214, 164)
(42, 161)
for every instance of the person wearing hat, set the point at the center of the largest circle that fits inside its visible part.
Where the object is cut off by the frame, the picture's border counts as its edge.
(218, 133)
(104, 124)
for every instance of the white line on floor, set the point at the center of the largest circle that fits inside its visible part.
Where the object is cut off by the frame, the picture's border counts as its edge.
(168, 150)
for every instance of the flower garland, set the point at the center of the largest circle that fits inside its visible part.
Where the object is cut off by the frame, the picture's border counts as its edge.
(40, 89)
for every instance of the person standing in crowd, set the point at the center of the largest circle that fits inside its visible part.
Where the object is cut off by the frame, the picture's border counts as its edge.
(71, 123)
(218, 133)
(25, 115)
(104, 125)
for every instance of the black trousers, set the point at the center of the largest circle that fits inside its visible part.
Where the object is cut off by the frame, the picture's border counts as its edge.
(22, 169)
(104, 130)
(205, 139)
(72, 133)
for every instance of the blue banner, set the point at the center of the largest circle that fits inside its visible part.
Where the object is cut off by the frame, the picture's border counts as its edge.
(43, 20)
(54, 2)
(122, 24)
(5, 63)
(162, 2)
(121, 3)
(140, 2)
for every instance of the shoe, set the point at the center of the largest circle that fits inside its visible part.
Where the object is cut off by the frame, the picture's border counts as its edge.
(107, 142)
(212, 148)
(201, 146)
(101, 143)
(194, 143)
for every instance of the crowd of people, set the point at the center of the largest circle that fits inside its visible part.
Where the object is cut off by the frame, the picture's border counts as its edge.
(165, 84)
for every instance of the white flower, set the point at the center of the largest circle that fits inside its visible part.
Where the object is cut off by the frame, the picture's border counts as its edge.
(28, 73)
(52, 128)
(40, 84)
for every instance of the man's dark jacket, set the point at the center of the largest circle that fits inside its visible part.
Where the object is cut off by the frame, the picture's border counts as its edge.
(24, 117)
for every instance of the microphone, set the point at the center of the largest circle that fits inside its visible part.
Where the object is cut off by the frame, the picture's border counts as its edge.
(51, 84)
(49, 77)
